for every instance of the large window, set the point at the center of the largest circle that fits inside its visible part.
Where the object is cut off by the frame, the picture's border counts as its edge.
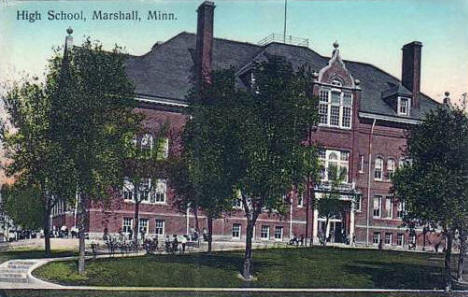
(127, 226)
(400, 210)
(128, 189)
(400, 239)
(388, 238)
(159, 227)
(335, 108)
(278, 233)
(146, 142)
(143, 225)
(378, 168)
(377, 206)
(265, 232)
(145, 187)
(391, 164)
(376, 238)
(389, 207)
(330, 158)
(236, 231)
(160, 191)
(300, 200)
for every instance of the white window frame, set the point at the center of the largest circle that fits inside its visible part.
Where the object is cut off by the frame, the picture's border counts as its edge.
(376, 242)
(400, 210)
(325, 93)
(160, 191)
(128, 190)
(400, 106)
(236, 228)
(391, 167)
(300, 200)
(390, 238)
(358, 204)
(127, 227)
(140, 224)
(146, 142)
(402, 237)
(281, 233)
(161, 227)
(342, 161)
(361, 163)
(378, 169)
(388, 207)
(379, 209)
(263, 228)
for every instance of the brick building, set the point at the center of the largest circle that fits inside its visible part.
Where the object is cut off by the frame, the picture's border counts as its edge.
(364, 114)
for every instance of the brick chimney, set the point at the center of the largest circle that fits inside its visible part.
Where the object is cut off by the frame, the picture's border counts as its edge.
(411, 70)
(204, 49)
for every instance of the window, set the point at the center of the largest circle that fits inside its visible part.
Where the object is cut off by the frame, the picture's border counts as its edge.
(278, 233)
(265, 232)
(400, 210)
(146, 142)
(163, 148)
(376, 238)
(388, 238)
(390, 168)
(400, 239)
(143, 225)
(159, 227)
(237, 203)
(335, 107)
(357, 202)
(236, 231)
(376, 212)
(144, 192)
(160, 191)
(300, 200)
(127, 225)
(328, 158)
(403, 106)
(389, 207)
(127, 189)
(378, 168)
(361, 163)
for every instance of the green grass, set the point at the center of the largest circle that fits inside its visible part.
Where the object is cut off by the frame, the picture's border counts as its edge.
(64, 293)
(32, 253)
(280, 268)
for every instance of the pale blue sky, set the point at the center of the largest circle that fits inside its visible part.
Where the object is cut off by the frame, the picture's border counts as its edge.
(367, 31)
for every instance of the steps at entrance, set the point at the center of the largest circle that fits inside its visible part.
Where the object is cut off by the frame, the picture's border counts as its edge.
(13, 277)
(15, 271)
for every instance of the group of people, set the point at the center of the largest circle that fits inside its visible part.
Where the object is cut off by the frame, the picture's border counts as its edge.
(172, 246)
(63, 232)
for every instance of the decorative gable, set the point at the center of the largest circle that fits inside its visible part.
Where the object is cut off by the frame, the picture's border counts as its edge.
(335, 73)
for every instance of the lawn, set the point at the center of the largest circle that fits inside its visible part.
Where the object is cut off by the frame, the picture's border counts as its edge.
(65, 293)
(315, 267)
(28, 253)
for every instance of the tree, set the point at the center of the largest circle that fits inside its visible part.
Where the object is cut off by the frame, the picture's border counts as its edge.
(93, 122)
(272, 122)
(210, 149)
(433, 183)
(35, 159)
(23, 206)
(330, 205)
(144, 166)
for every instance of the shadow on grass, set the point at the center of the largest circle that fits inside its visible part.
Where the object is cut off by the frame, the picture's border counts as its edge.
(399, 275)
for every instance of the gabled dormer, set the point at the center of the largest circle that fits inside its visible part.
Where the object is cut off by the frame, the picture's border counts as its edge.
(399, 98)
(336, 98)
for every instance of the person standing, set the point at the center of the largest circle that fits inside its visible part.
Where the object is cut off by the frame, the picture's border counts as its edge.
(175, 243)
(167, 242)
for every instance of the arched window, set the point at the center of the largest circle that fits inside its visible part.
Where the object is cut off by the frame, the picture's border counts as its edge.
(390, 168)
(378, 168)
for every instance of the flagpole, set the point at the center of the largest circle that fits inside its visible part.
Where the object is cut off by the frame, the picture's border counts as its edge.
(285, 12)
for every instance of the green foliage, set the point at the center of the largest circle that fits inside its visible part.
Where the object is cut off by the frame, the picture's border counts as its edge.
(330, 204)
(434, 184)
(23, 206)
(92, 117)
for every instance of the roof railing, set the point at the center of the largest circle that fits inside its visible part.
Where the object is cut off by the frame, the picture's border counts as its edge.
(286, 39)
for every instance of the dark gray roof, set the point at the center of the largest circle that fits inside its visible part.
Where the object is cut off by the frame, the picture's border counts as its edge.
(396, 90)
(166, 71)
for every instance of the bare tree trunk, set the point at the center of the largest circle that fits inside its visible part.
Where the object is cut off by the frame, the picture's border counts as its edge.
(461, 256)
(136, 224)
(210, 232)
(325, 237)
(448, 255)
(247, 269)
(312, 204)
(46, 226)
(81, 234)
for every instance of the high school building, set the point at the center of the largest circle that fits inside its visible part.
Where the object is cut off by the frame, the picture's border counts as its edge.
(364, 115)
